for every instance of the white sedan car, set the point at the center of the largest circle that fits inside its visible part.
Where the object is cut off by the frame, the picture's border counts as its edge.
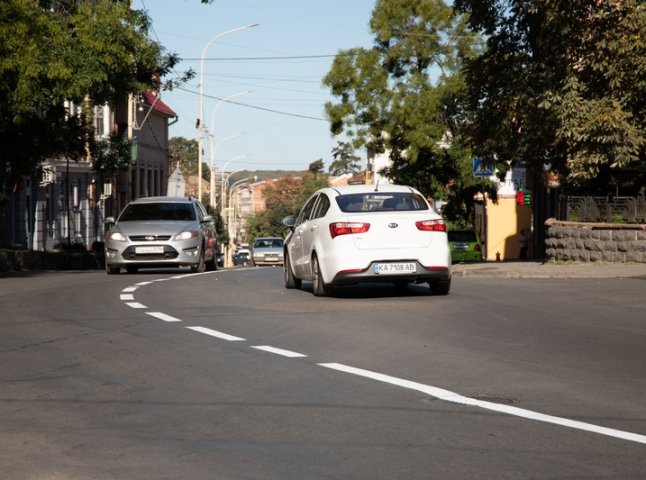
(367, 233)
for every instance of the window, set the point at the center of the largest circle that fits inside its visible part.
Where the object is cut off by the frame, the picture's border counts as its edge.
(381, 202)
(306, 213)
(322, 206)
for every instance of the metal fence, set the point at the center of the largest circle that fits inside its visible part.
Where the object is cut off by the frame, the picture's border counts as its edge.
(603, 209)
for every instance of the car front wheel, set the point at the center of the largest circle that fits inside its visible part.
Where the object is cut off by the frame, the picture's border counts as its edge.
(319, 287)
(199, 267)
(290, 280)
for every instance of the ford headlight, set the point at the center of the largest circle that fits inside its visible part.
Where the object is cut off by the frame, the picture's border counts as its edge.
(118, 236)
(186, 235)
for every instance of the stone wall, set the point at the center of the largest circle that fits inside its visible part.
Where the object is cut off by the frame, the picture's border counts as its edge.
(595, 242)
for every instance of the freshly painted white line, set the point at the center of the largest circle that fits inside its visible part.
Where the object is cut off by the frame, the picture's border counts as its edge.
(449, 396)
(135, 305)
(279, 351)
(215, 333)
(127, 296)
(163, 316)
(129, 289)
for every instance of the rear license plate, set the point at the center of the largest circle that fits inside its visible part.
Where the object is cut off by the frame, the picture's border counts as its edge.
(394, 268)
(155, 249)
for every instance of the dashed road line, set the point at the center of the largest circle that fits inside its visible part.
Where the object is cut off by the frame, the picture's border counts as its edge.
(215, 333)
(436, 392)
(163, 316)
(279, 351)
(136, 305)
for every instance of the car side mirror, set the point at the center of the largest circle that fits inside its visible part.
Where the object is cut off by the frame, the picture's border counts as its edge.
(289, 221)
(108, 223)
(207, 218)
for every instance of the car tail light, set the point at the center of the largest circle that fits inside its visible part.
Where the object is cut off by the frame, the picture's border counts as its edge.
(431, 225)
(345, 228)
(478, 248)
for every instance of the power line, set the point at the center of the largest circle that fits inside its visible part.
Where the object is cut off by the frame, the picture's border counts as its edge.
(290, 57)
(256, 107)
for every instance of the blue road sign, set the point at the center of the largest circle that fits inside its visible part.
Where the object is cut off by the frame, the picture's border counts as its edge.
(481, 169)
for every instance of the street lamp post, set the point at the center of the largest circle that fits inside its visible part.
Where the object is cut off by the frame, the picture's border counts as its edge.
(222, 181)
(214, 147)
(230, 218)
(200, 120)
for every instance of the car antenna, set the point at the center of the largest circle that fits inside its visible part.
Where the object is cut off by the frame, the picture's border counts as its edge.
(377, 186)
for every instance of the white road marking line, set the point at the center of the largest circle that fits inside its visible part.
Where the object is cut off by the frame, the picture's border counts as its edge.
(279, 351)
(141, 284)
(127, 296)
(215, 333)
(135, 305)
(129, 289)
(509, 410)
(163, 316)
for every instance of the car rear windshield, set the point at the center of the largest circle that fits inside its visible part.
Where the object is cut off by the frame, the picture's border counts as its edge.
(465, 236)
(381, 202)
(158, 211)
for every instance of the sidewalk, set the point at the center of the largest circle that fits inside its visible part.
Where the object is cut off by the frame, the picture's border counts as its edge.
(534, 269)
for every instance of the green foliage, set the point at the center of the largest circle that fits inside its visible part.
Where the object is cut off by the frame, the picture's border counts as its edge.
(184, 152)
(562, 83)
(345, 160)
(402, 95)
(89, 53)
(284, 197)
(111, 155)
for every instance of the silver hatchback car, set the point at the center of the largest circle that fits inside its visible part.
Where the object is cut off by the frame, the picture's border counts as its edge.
(161, 232)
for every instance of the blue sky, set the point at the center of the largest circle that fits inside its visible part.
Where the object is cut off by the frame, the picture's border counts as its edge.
(254, 60)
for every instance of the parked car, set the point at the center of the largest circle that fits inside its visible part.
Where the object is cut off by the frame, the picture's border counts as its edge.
(242, 258)
(367, 233)
(268, 251)
(465, 246)
(161, 232)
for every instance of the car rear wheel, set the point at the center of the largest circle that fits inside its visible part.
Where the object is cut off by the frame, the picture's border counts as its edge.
(212, 264)
(440, 287)
(319, 287)
(290, 280)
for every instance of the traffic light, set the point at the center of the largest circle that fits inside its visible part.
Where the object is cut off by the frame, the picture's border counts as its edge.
(523, 197)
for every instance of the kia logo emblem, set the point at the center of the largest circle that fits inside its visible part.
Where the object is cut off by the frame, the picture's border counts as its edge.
(393, 225)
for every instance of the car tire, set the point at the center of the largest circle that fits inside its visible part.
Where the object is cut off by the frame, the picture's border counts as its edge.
(112, 270)
(319, 287)
(290, 280)
(132, 268)
(200, 266)
(212, 264)
(440, 287)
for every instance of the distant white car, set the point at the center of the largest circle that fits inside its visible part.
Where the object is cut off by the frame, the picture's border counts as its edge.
(367, 233)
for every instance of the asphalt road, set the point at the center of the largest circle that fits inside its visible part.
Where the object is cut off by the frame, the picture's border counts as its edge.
(227, 375)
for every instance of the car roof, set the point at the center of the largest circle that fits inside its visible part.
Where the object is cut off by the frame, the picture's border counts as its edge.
(386, 188)
(165, 199)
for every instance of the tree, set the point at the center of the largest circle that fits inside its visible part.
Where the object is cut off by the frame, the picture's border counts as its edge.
(400, 96)
(345, 160)
(560, 84)
(53, 52)
(316, 167)
(284, 197)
